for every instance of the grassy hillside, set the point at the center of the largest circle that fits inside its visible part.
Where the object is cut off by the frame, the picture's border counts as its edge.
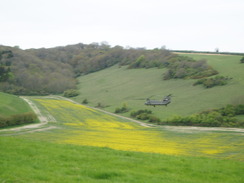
(35, 161)
(11, 104)
(115, 86)
(60, 151)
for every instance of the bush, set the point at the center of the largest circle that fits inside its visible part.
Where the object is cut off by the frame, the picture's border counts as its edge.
(239, 109)
(229, 110)
(85, 101)
(154, 119)
(242, 60)
(101, 105)
(136, 113)
(211, 82)
(145, 115)
(142, 116)
(123, 109)
(71, 93)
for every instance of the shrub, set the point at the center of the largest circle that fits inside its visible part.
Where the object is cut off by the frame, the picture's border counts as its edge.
(145, 115)
(211, 82)
(239, 109)
(123, 109)
(242, 60)
(71, 93)
(229, 110)
(85, 101)
(154, 119)
(101, 105)
(141, 111)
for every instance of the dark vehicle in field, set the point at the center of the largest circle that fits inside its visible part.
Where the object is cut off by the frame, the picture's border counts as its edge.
(166, 100)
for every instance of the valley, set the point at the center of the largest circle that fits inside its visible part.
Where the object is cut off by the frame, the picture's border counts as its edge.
(74, 142)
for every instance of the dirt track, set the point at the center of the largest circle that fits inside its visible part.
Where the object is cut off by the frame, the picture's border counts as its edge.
(44, 119)
(192, 129)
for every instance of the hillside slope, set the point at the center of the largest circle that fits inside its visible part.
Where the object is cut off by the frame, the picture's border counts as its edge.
(11, 104)
(115, 86)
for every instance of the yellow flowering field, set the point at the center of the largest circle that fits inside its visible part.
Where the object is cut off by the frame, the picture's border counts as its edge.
(82, 125)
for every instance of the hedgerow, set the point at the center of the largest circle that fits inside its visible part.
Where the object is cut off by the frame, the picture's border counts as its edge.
(223, 117)
(18, 119)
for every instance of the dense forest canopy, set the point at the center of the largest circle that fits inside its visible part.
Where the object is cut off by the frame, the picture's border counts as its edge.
(31, 75)
(54, 70)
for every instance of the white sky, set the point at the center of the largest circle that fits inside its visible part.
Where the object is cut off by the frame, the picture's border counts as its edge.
(202, 25)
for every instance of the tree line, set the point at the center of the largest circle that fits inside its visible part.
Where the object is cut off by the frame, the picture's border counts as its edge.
(29, 75)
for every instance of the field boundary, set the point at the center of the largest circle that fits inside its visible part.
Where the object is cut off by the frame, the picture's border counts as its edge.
(41, 126)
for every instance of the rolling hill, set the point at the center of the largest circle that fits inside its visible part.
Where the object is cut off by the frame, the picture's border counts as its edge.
(61, 150)
(11, 105)
(117, 86)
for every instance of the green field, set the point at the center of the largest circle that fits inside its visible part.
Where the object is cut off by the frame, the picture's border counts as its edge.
(76, 143)
(39, 162)
(44, 155)
(116, 86)
(86, 145)
(11, 104)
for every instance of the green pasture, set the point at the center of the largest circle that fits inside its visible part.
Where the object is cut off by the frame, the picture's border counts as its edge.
(26, 160)
(116, 86)
(86, 145)
(11, 104)
(80, 125)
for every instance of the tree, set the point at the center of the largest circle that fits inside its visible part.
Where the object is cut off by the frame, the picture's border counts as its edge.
(5, 64)
(140, 61)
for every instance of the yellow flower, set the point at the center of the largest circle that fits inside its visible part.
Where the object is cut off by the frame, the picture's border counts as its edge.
(82, 125)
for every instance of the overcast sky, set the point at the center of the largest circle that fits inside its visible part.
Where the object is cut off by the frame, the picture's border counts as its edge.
(202, 25)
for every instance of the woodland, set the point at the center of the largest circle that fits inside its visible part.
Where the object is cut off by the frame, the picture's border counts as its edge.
(54, 70)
